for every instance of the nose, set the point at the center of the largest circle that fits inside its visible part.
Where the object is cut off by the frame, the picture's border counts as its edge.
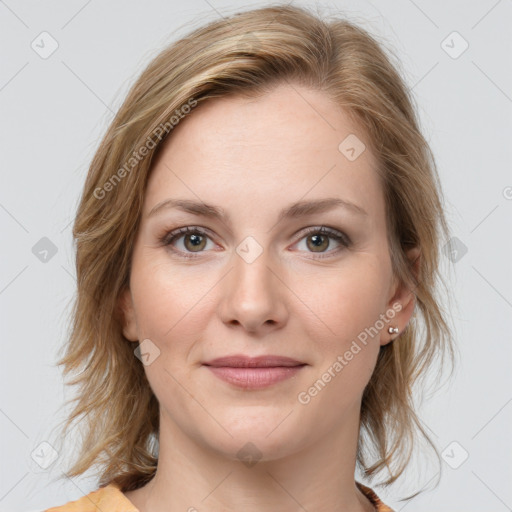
(254, 295)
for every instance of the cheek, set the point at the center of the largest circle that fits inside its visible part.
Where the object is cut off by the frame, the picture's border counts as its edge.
(169, 301)
(171, 312)
(348, 304)
(347, 300)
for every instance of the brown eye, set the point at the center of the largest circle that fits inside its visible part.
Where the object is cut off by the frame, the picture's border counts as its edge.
(196, 242)
(319, 240)
(186, 241)
(318, 243)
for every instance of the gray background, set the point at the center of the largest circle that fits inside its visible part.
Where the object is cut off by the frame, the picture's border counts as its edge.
(54, 111)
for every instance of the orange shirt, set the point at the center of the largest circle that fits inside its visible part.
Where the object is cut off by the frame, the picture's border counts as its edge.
(111, 499)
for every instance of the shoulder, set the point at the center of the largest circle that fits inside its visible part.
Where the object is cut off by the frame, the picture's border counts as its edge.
(104, 499)
(374, 499)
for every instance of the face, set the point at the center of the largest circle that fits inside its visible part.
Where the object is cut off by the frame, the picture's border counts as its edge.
(264, 276)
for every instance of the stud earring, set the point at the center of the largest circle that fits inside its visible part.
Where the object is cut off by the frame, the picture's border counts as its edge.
(392, 330)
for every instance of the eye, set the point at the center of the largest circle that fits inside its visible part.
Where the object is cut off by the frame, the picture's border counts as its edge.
(194, 240)
(318, 240)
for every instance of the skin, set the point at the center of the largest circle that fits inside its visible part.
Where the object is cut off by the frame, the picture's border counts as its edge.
(253, 158)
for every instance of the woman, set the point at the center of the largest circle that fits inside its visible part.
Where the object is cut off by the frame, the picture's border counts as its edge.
(257, 228)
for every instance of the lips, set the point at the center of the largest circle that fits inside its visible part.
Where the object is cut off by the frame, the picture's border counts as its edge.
(254, 372)
(241, 361)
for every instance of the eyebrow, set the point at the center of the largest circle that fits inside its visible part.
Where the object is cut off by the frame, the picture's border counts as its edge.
(296, 210)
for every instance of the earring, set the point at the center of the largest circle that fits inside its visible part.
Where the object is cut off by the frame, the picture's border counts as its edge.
(392, 330)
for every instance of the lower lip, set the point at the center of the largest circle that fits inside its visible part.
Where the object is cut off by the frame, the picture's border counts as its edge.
(254, 378)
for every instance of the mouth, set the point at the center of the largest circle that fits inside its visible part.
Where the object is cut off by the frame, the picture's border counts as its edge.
(254, 372)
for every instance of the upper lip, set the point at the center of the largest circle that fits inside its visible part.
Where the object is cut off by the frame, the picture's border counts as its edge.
(241, 361)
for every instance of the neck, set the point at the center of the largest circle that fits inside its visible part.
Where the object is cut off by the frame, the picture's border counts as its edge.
(192, 477)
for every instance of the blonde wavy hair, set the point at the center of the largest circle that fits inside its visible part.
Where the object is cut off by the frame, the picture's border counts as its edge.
(249, 53)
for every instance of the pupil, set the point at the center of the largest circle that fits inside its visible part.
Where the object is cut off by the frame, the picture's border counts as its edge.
(195, 239)
(318, 239)
(318, 242)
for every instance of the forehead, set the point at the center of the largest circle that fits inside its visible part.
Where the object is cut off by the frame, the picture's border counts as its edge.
(288, 144)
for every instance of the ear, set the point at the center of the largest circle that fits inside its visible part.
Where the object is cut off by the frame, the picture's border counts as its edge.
(127, 315)
(402, 299)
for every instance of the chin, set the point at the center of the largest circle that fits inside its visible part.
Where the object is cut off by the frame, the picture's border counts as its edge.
(257, 433)
(251, 448)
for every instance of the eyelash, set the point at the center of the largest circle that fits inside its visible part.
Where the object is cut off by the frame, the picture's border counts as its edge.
(168, 238)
